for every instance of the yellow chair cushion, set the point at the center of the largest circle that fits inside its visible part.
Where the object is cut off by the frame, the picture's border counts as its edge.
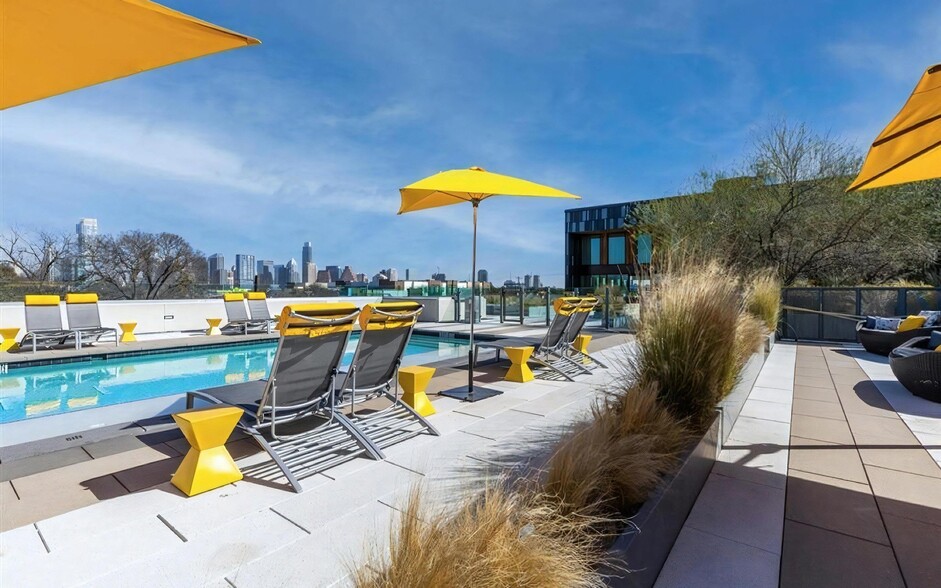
(912, 322)
(41, 300)
(257, 296)
(405, 315)
(81, 298)
(566, 305)
(289, 325)
(233, 296)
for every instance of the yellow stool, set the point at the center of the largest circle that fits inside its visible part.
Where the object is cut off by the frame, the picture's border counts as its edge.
(519, 371)
(414, 379)
(213, 326)
(581, 343)
(207, 464)
(127, 332)
(8, 341)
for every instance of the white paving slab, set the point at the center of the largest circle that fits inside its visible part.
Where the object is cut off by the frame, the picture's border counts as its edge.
(733, 535)
(20, 542)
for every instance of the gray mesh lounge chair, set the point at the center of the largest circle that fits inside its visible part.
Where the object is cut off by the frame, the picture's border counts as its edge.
(552, 351)
(84, 319)
(258, 309)
(238, 319)
(574, 329)
(385, 331)
(44, 323)
(293, 414)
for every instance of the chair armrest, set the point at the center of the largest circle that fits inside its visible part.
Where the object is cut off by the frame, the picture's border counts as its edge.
(913, 342)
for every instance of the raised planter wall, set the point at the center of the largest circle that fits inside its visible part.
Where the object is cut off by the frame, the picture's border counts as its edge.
(663, 515)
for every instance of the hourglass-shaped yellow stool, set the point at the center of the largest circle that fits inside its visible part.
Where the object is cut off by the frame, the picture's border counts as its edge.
(207, 464)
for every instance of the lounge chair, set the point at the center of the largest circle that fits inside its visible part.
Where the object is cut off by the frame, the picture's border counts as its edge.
(238, 319)
(552, 351)
(373, 373)
(882, 342)
(85, 320)
(917, 365)
(44, 323)
(574, 329)
(293, 413)
(258, 309)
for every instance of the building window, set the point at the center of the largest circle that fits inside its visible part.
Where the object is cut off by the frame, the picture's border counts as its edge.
(644, 248)
(616, 249)
(591, 250)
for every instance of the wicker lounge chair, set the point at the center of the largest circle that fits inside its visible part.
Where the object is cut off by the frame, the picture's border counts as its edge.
(917, 366)
(883, 342)
(85, 320)
(373, 373)
(293, 414)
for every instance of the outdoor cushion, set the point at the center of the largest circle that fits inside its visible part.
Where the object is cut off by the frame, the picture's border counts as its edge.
(935, 341)
(870, 322)
(932, 317)
(911, 322)
(887, 324)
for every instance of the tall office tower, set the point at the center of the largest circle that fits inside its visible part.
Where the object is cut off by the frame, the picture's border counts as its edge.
(347, 275)
(244, 270)
(307, 258)
(527, 281)
(323, 277)
(293, 272)
(536, 282)
(217, 271)
(281, 275)
(265, 270)
(334, 272)
(310, 272)
(482, 275)
(230, 278)
(86, 230)
(407, 271)
(393, 274)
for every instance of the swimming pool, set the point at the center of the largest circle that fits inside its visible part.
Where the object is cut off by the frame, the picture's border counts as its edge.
(32, 392)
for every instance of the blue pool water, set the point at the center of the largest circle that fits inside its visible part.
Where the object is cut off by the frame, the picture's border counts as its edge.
(53, 389)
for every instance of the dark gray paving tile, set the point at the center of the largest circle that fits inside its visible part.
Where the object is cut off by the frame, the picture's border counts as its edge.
(148, 475)
(112, 446)
(815, 557)
(41, 463)
(834, 504)
(917, 546)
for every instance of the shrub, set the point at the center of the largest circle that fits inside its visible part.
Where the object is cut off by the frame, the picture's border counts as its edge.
(686, 340)
(609, 464)
(763, 298)
(500, 538)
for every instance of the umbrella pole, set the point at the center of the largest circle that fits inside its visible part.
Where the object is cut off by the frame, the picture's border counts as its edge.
(469, 393)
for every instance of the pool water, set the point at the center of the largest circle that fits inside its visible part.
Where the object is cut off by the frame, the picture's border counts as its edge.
(54, 389)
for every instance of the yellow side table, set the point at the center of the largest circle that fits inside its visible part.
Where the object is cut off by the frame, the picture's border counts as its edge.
(581, 343)
(213, 326)
(207, 464)
(414, 379)
(127, 332)
(8, 340)
(519, 371)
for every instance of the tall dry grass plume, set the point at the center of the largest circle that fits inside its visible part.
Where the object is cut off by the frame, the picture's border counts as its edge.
(686, 340)
(609, 464)
(500, 538)
(763, 298)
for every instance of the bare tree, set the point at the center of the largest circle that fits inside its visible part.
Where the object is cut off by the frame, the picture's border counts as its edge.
(136, 265)
(35, 254)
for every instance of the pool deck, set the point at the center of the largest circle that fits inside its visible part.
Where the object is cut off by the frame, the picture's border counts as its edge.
(114, 519)
(831, 477)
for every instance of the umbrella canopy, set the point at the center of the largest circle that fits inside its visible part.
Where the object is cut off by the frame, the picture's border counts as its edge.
(50, 47)
(909, 149)
(469, 185)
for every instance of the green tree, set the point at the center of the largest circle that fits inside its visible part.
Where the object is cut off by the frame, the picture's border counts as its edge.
(787, 208)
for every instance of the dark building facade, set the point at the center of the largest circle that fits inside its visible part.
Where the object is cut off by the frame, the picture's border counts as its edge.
(604, 247)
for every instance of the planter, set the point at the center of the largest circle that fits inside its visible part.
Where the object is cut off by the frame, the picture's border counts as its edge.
(663, 515)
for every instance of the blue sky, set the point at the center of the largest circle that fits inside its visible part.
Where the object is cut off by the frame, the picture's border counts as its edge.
(309, 135)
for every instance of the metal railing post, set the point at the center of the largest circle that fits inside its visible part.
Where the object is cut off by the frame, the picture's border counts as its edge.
(522, 310)
(503, 304)
(547, 307)
(607, 307)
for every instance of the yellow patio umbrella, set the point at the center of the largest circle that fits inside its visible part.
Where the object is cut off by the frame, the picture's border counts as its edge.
(472, 185)
(909, 149)
(49, 47)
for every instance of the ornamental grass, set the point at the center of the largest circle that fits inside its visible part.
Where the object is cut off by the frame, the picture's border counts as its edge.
(763, 298)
